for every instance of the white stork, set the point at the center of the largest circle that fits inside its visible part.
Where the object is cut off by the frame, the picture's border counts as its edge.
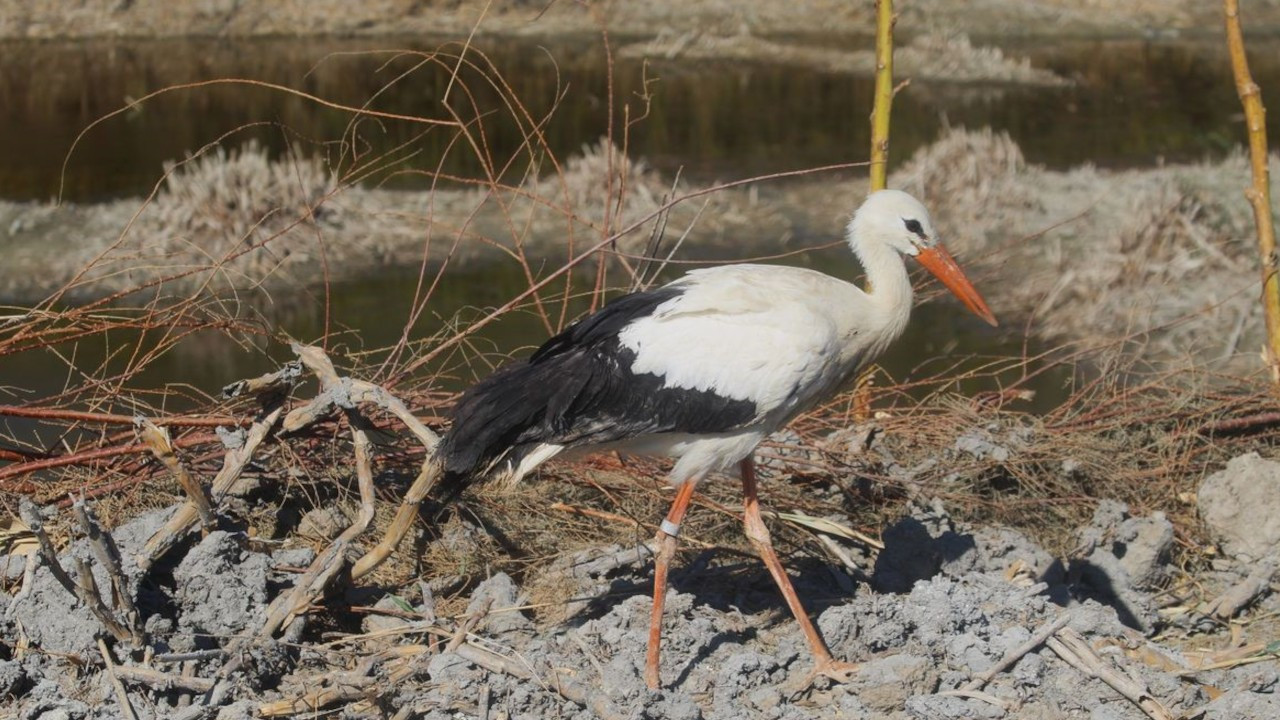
(702, 370)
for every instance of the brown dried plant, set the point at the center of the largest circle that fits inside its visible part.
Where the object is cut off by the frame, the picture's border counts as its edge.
(1123, 432)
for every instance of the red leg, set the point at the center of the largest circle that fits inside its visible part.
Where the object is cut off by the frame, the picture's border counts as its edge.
(758, 534)
(666, 549)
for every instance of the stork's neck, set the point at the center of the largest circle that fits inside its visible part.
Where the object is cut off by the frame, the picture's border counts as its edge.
(889, 284)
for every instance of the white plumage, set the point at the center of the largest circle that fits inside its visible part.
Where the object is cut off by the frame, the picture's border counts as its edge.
(702, 370)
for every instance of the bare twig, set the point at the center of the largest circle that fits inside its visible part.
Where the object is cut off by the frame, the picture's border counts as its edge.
(347, 392)
(233, 464)
(28, 582)
(104, 548)
(89, 594)
(1233, 657)
(326, 567)
(157, 438)
(468, 624)
(1242, 593)
(38, 413)
(403, 520)
(988, 698)
(31, 516)
(168, 658)
(1076, 652)
(1011, 657)
(162, 681)
(88, 457)
(483, 712)
(1250, 423)
(126, 708)
(275, 382)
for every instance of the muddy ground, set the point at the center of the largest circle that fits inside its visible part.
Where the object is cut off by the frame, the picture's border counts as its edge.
(947, 621)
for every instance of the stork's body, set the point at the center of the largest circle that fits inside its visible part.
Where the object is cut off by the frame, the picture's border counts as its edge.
(702, 370)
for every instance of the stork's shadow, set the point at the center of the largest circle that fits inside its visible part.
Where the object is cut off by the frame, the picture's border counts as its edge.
(728, 582)
(731, 581)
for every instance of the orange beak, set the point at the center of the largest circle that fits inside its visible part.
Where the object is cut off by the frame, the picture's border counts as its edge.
(939, 262)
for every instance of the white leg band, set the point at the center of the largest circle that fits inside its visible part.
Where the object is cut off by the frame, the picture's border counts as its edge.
(670, 528)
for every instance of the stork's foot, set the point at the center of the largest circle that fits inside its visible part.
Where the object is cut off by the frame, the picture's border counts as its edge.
(834, 670)
(837, 670)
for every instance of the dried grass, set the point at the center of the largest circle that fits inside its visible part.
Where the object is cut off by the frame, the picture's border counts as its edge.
(940, 56)
(212, 205)
(1132, 433)
(1162, 255)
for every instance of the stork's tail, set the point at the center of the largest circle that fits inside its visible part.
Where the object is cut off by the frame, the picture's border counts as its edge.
(501, 423)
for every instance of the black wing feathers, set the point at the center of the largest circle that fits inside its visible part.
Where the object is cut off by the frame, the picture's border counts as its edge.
(578, 389)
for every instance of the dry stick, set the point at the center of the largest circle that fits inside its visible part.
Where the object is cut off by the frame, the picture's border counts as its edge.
(157, 438)
(1248, 423)
(1234, 657)
(40, 413)
(353, 688)
(346, 392)
(168, 658)
(86, 590)
(89, 594)
(234, 463)
(350, 685)
(28, 583)
(1011, 657)
(333, 386)
(327, 566)
(31, 516)
(121, 696)
(162, 681)
(1075, 651)
(468, 624)
(1242, 593)
(403, 520)
(88, 456)
(592, 699)
(104, 548)
(483, 712)
(1259, 194)
(275, 382)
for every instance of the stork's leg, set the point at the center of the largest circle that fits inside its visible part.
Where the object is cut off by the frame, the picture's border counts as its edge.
(758, 534)
(666, 541)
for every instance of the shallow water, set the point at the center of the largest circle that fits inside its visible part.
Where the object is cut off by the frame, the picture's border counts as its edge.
(1134, 103)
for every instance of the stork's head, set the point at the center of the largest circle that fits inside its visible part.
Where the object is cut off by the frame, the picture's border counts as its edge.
(901, 222)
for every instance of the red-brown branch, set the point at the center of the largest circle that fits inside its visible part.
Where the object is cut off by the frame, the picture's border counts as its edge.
(90, 456)
(40, 413)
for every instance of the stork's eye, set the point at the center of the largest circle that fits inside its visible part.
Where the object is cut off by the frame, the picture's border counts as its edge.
(913, 226)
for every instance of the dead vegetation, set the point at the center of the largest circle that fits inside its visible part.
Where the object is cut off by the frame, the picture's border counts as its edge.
(1159, 254)
(834, 487)
(936, 56)
(283, 487)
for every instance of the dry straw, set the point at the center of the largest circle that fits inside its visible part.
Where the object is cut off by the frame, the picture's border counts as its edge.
(1124, 430)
